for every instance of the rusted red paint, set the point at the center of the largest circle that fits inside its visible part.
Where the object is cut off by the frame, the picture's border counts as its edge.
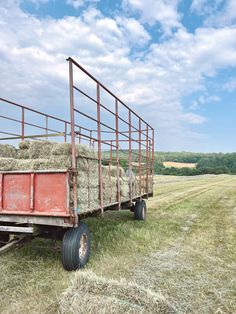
(35, 194)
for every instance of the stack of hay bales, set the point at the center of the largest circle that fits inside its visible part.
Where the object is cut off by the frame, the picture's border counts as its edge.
(43, 155)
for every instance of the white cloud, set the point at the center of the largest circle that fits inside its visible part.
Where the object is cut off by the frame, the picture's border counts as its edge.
(151, 11)
(133, 30)
(34, 71)
(204, 99)
(204, 7)
(218, 13)
(77, 3)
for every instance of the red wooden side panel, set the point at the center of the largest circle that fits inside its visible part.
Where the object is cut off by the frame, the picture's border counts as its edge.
(44, 194)
(16, 192)
(50, 193)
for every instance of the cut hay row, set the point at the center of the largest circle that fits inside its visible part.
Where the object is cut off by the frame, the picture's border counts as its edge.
(89, 293)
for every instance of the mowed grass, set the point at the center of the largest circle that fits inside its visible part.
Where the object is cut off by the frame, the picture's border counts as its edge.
(184, 252)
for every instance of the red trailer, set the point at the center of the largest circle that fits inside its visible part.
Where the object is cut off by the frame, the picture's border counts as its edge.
(44, 202)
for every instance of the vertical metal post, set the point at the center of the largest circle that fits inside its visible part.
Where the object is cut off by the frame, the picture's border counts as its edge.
(1, 191)
(65, 132)
(32, 192)
(110, 163)
(73, 148)
(147, 160)
(130, 158)
(153, 155)
(117, 155)
(139, 157)
(46, 127)
(90, 139)
(79, 135)
(22, 124)
(99, 148)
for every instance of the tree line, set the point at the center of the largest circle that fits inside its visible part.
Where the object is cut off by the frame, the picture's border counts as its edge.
(206, 163)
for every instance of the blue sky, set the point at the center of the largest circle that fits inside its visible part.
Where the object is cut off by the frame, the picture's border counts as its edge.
(174, 62)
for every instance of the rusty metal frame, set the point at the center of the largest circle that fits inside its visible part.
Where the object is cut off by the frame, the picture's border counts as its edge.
(134, 139)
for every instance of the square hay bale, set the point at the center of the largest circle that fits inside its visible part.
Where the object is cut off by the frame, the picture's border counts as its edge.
(7, 164)
(7, 151)
(35, 149)
(61, 149)
(109, 190)
(85, 151)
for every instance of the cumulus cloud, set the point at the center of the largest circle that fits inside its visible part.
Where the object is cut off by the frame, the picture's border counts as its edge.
(134, 31)
(151, 11)
(203, 7)
(217, 13)
(34, 71)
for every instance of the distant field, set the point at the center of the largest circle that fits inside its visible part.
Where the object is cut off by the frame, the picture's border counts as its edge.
(182, 259)
(169, 164)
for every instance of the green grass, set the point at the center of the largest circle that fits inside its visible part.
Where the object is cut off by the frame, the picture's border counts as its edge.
(185, 251)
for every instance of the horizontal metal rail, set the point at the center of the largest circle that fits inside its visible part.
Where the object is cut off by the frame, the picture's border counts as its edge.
(106, 89)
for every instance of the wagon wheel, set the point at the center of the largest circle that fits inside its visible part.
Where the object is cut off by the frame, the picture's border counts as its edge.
(4, 238)
(140, 210)
(76, 247)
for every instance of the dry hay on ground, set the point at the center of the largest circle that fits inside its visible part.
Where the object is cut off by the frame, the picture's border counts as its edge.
(89, 293)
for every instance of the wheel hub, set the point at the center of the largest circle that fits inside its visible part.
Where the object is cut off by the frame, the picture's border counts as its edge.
(83, 245)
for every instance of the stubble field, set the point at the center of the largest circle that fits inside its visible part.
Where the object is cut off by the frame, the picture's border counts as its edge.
(182, 259)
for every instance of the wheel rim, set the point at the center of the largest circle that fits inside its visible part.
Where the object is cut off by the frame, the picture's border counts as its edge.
(83, 246)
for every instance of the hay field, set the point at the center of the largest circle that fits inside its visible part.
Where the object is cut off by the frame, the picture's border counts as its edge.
(174, 164)
(181, 260)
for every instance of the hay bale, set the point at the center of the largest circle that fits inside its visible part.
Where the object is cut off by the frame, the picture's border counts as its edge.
(40, 149)
(124, 188)
(24, 145)
(35, 149)
(61, 149)
(85, 151)
(113, 171)
(7, 164)
(23, 154)
(7, 151)
(82, 164)
(109, 190)
(89, 293)
(86, 202)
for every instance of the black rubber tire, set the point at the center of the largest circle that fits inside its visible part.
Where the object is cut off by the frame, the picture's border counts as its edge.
(140, 210)
(4, 238)
(71, 258)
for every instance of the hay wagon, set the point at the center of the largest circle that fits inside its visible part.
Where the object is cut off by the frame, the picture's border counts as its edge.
(55, 172)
